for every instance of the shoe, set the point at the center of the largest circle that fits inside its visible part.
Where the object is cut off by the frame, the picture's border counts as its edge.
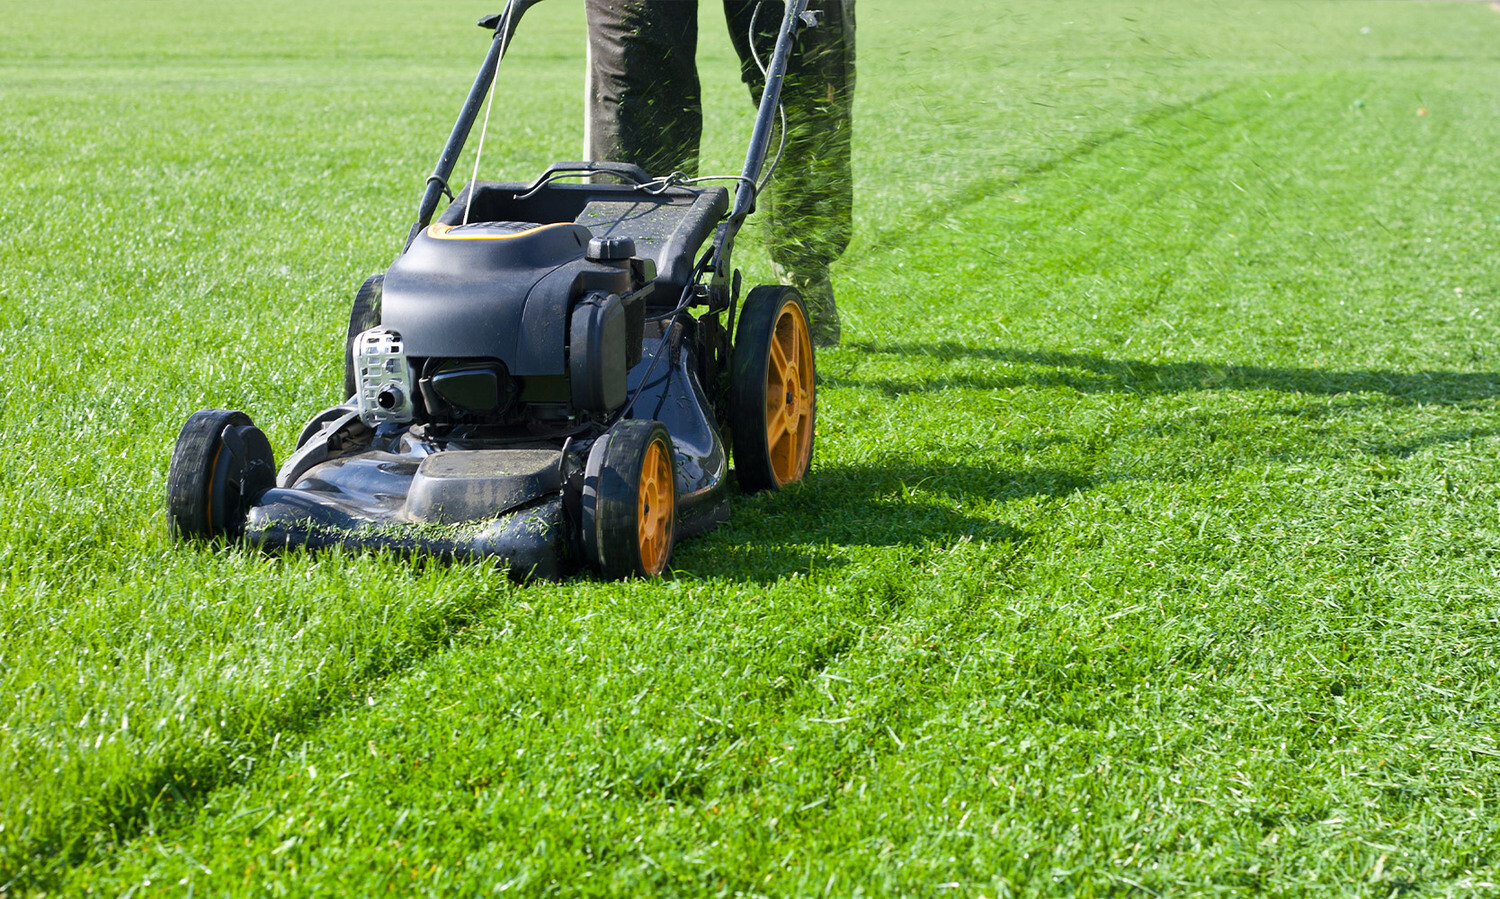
(817, 298)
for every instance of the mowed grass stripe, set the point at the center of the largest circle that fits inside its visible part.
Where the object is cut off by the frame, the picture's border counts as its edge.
(1264, 194)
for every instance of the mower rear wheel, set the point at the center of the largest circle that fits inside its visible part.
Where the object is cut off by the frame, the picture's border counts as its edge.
(221, 464)
(630, 501)
(772, 391)
(364, 314)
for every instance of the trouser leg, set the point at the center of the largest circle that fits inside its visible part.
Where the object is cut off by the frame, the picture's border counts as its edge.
(644, 102)
(809, 211)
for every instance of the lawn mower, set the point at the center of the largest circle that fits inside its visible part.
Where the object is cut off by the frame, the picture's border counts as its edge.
(544, 376)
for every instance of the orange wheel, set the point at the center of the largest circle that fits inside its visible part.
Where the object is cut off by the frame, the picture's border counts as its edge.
(654, 508)
(773, 392)
(630, 501)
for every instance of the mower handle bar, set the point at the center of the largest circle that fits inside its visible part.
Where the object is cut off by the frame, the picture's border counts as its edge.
(437, 183)
(770, 102)
(796, 17)
(625, 171)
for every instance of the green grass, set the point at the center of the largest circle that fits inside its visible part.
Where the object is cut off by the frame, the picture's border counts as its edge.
(1152, 545)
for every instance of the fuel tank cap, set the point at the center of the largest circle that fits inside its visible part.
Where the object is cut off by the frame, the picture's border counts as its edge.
(611, 249)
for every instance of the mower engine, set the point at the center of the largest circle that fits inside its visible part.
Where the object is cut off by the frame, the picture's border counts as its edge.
(385, 382)
(497, 323)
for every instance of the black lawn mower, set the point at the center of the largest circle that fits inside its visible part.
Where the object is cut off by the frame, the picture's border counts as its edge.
(545, 375)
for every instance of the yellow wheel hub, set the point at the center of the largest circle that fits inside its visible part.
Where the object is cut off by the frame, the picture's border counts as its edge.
(789, 396)
(655, 513)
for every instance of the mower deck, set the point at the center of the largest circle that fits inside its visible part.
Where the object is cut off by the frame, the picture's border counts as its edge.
(399, 490)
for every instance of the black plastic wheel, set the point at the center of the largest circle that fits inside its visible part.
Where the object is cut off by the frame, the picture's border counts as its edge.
(630, 501)
(315, 424)
(221, 464)
(364, 314)
(772, 391)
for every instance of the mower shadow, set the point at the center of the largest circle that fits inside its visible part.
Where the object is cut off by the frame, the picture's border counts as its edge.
(897, 503)
(1089, 373)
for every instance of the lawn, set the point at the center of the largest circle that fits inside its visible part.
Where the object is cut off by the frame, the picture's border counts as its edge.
(1152, 544)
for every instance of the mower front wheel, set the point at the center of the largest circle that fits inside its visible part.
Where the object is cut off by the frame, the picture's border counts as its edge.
(221, 464)
(772, 391)
(630, 501)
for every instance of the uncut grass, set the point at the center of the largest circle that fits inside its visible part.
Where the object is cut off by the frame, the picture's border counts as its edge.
(1127, 560)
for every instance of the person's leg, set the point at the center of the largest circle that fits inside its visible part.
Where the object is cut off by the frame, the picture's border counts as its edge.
(810, 206)
(644, 104)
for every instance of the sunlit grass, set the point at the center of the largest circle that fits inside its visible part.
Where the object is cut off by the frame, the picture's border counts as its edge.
(1149, 547)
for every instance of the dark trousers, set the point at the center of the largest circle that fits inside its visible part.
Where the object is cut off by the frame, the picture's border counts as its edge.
(645, 107)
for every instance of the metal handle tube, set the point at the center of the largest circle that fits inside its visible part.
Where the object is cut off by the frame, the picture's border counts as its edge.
(760, 140)
(505, 29)
(765, 117)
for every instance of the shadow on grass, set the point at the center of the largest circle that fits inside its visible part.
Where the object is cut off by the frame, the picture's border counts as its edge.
(897, 503)
(1088, 373)
(1407, 448)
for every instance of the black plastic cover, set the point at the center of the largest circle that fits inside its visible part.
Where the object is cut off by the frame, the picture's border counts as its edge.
(598, 354)
(505, 297)
(668, 228)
